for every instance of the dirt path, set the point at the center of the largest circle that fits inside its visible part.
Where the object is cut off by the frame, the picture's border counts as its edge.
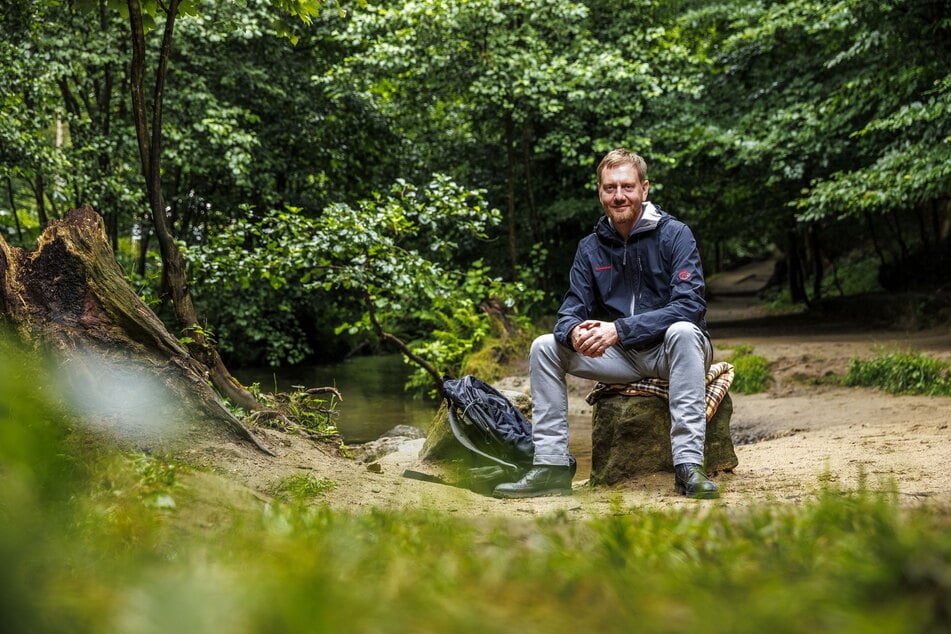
(799, 437)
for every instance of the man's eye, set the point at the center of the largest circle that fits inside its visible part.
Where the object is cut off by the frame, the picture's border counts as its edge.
(629, 188)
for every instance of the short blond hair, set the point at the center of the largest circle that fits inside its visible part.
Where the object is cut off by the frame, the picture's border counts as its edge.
(621, 156)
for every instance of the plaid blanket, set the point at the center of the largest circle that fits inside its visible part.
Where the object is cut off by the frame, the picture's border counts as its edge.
(719, 380)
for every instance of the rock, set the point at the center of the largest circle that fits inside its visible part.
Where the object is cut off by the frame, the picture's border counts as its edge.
(440, 443)
(630, 436)
(405, 432)
(389, 442)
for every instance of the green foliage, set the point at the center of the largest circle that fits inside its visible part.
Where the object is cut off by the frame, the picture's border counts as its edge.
(902, 373)
(517, 97)
(910, 158)
(300, 410)
(461, 324)
(200, 331)
(758, 119)
(795, 126)
(157, 479)
(752, 371)
(392, 257)
(853, 274)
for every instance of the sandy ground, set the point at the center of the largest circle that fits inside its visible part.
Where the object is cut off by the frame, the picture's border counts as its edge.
(791, 442)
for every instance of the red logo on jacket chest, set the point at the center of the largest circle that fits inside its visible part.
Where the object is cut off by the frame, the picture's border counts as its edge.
(684, 275)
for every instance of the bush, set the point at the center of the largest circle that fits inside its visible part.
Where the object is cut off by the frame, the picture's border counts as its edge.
(752, 371)
(902, 373)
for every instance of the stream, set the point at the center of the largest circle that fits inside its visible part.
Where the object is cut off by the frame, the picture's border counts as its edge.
(374, 400)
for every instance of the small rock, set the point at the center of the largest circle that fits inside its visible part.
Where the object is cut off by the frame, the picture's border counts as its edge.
(389, 442)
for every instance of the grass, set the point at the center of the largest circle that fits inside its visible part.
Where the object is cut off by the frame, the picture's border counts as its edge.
(901, 373)
(99, 560)
(94, 540)
(301, 487)
(751, 371)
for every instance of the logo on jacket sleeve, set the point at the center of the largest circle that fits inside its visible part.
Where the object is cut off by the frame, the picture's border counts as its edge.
(684, 275)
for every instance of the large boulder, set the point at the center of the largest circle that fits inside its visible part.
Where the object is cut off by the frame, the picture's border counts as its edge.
(630, 436)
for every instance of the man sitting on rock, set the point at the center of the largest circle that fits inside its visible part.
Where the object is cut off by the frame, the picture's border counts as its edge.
(639, 272)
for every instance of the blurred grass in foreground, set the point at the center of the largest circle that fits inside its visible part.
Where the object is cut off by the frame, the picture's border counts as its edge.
(96, 541)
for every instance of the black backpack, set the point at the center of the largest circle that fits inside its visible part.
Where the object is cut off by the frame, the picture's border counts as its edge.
(488, 424)
(495, 432)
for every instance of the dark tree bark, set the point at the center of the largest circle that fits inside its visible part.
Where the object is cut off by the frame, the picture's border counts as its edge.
(149, 134)
(39, 193)
(870, 223)
(794, 269)
(13, 208)
(68, 296)
(530, 181)
(818, 270)
(510, 163)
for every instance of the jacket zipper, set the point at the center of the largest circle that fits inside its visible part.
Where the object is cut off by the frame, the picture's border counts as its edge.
(635, 286)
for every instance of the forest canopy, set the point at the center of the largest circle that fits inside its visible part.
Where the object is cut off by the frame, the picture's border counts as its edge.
(329, 171)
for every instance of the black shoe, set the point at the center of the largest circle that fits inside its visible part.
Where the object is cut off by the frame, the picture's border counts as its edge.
(538, 481)
(694, 483)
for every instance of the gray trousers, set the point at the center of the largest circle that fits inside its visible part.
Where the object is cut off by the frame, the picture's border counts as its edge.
(683, 359)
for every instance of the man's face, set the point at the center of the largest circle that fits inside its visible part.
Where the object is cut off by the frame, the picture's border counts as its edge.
(622, 193)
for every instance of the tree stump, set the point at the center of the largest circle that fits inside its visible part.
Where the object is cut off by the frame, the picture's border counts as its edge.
(630, 436)
(116, 359)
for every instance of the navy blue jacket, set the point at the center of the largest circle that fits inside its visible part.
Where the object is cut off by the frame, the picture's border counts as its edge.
(643, 284)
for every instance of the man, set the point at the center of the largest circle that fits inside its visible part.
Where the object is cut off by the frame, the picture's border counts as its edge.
(635, 308)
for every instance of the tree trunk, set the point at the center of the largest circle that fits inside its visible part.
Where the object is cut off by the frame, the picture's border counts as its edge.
(142, 256)
(39, 193)
(13, 209)
(870, 223)
(818, 270)
(794, 269)
(69, 296)
(150, 150)
(510, 193)
(530, 181)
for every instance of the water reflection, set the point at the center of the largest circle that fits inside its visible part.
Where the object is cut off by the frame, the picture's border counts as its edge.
(374, 400)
